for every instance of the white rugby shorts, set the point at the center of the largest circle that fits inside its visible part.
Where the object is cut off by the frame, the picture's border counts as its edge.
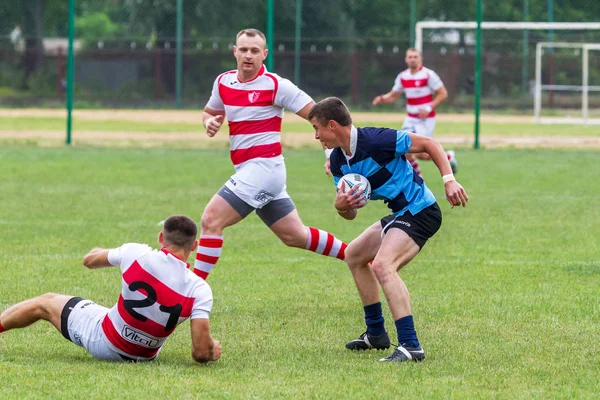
(423, 127)
(84, 326)
(258, 182)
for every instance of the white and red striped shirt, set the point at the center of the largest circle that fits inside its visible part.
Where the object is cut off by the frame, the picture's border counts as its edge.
(418, 88)
(158, 293)
(254, 110)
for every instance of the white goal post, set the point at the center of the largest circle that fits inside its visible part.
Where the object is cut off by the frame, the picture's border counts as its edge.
(487, 25)
(545, 26)
(584, 88)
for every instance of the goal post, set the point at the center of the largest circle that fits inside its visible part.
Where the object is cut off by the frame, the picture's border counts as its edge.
(488, 25)
(506, 75)
(584, 88)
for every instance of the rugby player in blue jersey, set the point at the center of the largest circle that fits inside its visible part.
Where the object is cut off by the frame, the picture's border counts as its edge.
(379, 154)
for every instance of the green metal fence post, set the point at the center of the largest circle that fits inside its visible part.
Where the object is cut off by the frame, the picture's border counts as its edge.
(550, 50)
(178, 55)
(70, 69)
(413, 21)
(478, 72)
(525, 62)
(298, 42)
(270, 13)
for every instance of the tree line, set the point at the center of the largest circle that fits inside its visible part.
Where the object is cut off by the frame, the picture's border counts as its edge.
(113, 19)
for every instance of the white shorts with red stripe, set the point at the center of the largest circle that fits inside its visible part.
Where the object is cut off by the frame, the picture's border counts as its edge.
(259, 181)
(423, 127)
(85, 329)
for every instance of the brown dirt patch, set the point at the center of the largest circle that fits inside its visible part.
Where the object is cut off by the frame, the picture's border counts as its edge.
(295, 140)
(290, 140)
(195, 116)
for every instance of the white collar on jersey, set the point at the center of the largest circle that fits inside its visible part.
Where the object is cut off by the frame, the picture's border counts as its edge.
(261, 72)
(353, 141)
(167, 252)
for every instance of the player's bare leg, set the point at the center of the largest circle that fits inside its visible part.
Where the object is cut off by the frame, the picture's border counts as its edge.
(398, 249)
(359, 253)
(292, 232)
(217, 216)
(47, 307)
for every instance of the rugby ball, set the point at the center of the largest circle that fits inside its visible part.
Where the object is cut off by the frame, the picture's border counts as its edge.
(352, 182)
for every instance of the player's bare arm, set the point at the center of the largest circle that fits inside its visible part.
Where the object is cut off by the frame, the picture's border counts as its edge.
(305, 110)
(455, 194)
(389, 97)
(212, 120)
(440, 96)
(96, 258)
(204, 348)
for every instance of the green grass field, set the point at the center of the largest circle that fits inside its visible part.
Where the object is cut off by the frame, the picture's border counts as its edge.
(505, 296)
(517, 128)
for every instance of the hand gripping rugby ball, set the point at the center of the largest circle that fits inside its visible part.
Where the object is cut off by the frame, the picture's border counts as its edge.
(354, 182)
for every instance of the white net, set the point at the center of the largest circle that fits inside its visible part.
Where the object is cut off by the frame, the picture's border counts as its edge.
(567, 83)
(508, 65)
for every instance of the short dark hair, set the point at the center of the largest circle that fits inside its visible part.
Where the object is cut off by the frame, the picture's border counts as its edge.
(329, 109)
(180, 231)
(251, 32)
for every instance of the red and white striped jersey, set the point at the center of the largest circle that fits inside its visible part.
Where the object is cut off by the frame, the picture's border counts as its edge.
(158, 293)
(418, 88)
(254, 110)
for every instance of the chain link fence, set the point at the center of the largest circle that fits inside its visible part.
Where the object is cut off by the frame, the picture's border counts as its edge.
(126, 52)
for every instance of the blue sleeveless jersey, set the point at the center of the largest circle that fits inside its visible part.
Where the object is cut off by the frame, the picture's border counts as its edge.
(379, 155)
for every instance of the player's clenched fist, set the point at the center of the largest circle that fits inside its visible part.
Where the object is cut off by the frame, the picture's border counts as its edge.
(213, 125)
(217, 351)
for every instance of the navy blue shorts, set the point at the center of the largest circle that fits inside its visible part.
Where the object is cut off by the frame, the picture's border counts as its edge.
(419, 227)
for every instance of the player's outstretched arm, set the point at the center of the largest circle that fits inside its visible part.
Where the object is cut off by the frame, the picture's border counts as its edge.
(303, 113)
(97, 258)
(455, 193)
(212, 120)
(389, 97)
(204, 348)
